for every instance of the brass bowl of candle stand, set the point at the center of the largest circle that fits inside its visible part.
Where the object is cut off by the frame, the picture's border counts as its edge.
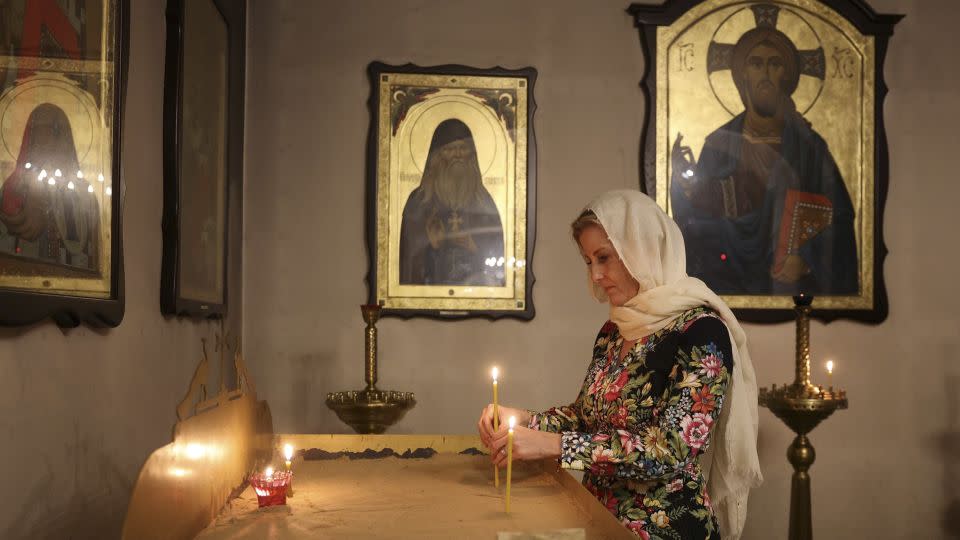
(802, 408)
(371, 410)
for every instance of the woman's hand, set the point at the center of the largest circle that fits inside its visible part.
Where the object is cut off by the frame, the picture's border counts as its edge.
(485, 424)
(528, 444)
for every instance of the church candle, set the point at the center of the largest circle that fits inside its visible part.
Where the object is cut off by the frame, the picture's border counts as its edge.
(496, 423)
(513, 422)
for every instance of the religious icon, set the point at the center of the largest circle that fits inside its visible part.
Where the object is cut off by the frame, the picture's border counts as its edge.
(60, 89)
(451, 191)
(450, 224)
(44, 219)
(732, 201)
(762, 149)
(201, 134)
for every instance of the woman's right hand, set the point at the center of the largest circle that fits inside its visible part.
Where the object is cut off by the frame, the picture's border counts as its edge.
(485, 424)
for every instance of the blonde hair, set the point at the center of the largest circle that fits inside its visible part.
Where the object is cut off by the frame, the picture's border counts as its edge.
(586, 219)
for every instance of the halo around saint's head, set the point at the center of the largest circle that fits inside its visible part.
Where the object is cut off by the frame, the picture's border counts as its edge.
(424, 118)
(19, 101)
(806, 45)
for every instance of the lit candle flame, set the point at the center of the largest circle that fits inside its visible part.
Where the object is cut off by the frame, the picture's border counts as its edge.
(830, 367)
(513, 422)
(288, 451)
(495, 373)
(268, 473)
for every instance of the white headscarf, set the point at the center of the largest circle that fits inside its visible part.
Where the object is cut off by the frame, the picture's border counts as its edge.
(651, 247)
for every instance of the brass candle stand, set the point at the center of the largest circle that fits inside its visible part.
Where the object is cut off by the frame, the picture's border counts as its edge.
(370, 410)
(802, 406)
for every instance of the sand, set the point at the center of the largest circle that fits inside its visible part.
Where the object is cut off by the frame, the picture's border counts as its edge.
(446, 496)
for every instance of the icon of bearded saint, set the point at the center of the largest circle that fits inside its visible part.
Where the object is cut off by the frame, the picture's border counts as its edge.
(732, 205)
(43, 221)
(450, 225)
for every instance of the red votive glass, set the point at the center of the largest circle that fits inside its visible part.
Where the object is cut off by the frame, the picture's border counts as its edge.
(271, 490)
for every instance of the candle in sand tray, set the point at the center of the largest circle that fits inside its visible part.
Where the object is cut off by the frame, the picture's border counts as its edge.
(830, 373)
(513, 422)
(496, 422)
(288, 455)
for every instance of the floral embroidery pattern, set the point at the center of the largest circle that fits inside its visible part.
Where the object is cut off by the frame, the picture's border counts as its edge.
(639, 424)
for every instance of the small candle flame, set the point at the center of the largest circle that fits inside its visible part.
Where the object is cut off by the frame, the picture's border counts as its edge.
(268, 473)
(830, 367)
(288, 451)
(495, 373)
(513, 422)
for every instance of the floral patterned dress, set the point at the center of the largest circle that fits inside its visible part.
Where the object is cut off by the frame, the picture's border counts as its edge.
(639, 424)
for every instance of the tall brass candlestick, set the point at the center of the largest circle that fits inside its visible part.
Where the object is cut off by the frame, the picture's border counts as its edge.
(801, 406)
(371, 314)
(802, 376)
(370, 410)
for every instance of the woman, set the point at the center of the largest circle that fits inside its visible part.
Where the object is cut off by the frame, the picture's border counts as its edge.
(670, 372)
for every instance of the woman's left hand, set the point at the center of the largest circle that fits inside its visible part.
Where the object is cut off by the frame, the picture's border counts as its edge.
(528, 444)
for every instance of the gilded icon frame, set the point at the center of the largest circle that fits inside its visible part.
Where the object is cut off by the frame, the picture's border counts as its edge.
(421, 262)
(690, 52)
(61, 108)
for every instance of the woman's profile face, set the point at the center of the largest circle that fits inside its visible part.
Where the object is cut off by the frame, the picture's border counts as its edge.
(606, 268)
